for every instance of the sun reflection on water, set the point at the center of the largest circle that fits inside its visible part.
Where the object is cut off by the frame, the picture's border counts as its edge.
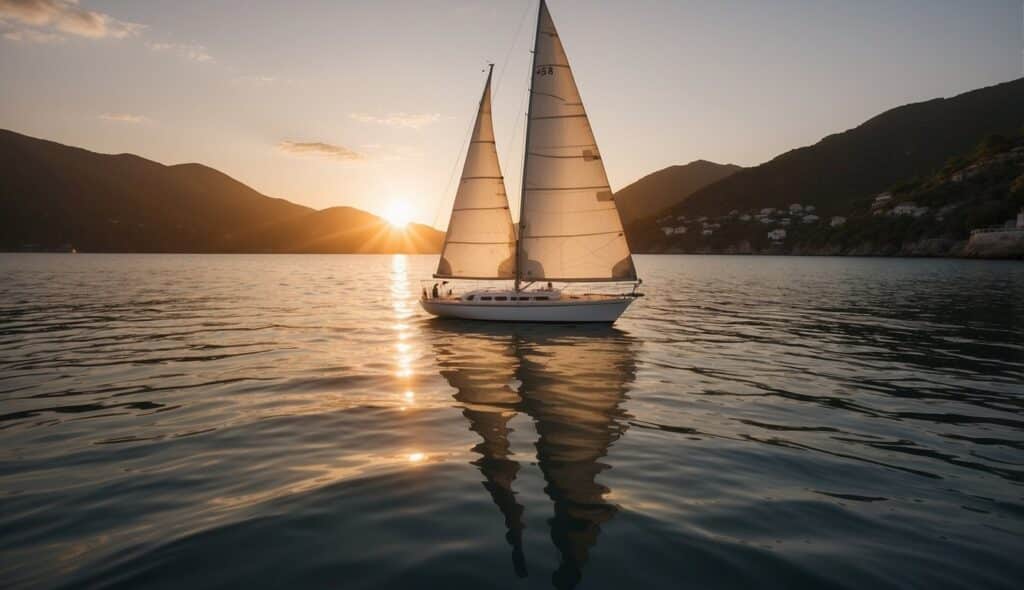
(404, 357)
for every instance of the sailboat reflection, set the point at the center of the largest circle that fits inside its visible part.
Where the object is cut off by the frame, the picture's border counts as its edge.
(571, 381)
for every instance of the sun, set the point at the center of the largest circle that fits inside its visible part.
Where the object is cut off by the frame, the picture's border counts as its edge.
(398, 214)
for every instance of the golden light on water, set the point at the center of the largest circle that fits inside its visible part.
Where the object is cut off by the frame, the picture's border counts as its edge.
(417, 457)
(402, 305)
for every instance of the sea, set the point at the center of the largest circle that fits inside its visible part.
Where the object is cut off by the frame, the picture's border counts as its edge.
(278, 421)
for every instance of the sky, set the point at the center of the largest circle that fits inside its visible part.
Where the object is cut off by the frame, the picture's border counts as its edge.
(369, 103)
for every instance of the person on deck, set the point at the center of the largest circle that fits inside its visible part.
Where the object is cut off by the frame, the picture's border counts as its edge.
(433, 292)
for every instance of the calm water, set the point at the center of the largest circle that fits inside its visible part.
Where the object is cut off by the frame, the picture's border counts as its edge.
(275, 421)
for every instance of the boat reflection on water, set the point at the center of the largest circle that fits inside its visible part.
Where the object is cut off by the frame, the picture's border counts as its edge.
(571, 381)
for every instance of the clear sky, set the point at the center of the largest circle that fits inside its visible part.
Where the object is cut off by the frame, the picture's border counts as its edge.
(332, 102)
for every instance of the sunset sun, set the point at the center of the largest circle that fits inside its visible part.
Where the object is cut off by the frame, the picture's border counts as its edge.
(398, 214)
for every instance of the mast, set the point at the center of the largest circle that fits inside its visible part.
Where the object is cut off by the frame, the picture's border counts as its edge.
(526, 148)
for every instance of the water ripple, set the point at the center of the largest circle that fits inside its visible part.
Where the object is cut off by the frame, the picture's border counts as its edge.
(268, 421)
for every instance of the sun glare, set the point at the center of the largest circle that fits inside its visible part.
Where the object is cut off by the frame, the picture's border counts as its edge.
(398, 214)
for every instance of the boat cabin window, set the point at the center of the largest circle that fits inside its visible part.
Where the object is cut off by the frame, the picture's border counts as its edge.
(501, 298)
(485, 299)
(470, 297)
(544, 298)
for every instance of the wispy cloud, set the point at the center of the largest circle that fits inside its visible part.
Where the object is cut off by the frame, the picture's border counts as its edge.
(408, 120)
(65, 16)
(316, 148)
(254, 80)
(188, 51)
(33, 36)
(124, 118)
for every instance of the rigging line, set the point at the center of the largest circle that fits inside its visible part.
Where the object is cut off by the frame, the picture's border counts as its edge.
(451, 175)
(511, 47)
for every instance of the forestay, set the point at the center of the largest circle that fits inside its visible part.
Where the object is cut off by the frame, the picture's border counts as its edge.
(480, 243)
(570, 229)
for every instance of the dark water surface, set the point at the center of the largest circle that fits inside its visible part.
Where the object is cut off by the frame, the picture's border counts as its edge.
(297, 421)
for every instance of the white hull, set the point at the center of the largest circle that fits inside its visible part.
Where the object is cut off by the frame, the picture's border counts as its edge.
(603, 310)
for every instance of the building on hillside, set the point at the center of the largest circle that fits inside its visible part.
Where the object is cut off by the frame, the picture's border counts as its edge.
(784, 221)
(702, 218)
(667, 231)
(812, 218)
(796, 208)
(809, 208)
(680, 229)
(707, 232)
(767, 211)
(766, 220)
(909, 208)
(680, 218)
(745, 217)
(734, 213)
(777, 235)
(837, 220)
(881, 200)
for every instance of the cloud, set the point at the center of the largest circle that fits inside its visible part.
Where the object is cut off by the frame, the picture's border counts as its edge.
(124, 118)
(254, 80)
(192, 52)
(33, 36)
(408, 120)
(68, 17)
(316, 148)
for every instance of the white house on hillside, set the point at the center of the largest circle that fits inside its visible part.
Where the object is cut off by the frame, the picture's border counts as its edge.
(777, 234)
(909, 208)
(838, 220)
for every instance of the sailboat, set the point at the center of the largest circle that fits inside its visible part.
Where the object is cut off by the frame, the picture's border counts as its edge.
(569, 228)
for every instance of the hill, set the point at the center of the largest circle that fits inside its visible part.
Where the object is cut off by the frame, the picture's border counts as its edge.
(933, 214)
(667, 187)
(54, 196)
(894, 146)
(835, 176)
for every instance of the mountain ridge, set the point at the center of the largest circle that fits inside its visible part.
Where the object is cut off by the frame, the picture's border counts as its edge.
(54, 196)
(890, 147)
(669, 186)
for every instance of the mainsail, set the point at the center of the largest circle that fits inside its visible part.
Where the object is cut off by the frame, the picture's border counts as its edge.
(480, 243)
(569, 226)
